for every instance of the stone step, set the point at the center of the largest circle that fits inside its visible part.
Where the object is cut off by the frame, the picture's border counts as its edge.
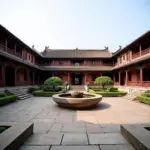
(20, 94)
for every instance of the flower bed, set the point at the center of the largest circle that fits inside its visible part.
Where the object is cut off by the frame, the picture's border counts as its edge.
(7, 99)
(43, 93)
(108, 93)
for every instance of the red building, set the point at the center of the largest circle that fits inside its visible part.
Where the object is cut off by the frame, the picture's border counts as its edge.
(22, 65)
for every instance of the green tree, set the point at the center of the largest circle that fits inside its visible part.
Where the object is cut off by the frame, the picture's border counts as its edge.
(53, 82)
(103, 80)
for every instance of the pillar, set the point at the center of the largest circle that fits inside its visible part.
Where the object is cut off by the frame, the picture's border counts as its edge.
(68, 78)
(141, 76)
(140, 49)
(28, 77)
(6, 44)
(85, 79)
(126, 81)
(38, 79)
(119, 77)
(33, 82)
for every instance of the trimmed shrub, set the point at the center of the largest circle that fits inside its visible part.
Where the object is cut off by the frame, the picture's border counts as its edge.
(53, 82)
(34, 88)
(47, 93)
(7, 99)
(143, 99)
(146, 94)
(51, 89)
(108, 94)
(113, 89)
(2, 94)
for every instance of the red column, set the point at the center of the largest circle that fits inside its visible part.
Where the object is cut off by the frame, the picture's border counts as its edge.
(85, 79)
(38, 79)
(68, 77)
(33, 78)
(140, 49)
(126, 82)
(6, 44)
(141, 76)
(119, 77)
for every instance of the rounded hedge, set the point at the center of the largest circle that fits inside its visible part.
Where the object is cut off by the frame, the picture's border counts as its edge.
(108, 94)
(53, 81)
(143, 99)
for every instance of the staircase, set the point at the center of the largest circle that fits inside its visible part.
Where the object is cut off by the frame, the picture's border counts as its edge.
(77, 87)
(133, 94)
(20, 93)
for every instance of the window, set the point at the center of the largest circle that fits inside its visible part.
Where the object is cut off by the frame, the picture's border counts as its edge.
(29, 57)
(92, 62)
(129, 76)
(123, 57)
(61, 62)
(93, 77)
(120, 60)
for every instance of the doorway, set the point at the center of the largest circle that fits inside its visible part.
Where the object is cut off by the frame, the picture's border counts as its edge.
(76, 79)
(122, 80)
(9, 76)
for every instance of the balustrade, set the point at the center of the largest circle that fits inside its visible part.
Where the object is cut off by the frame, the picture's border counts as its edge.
(136, 55)
(146, 51)
(10, 51)
(2, 47)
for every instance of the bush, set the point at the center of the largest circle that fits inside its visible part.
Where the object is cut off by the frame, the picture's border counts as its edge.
(2, 94)
(51, 89)
(88, 84)
(47, 93)
(108, 94)
(146, 94)
(53, 82)
(113, 89)
(7, 99)
(143, 99)
(103, 80)
(34, 88)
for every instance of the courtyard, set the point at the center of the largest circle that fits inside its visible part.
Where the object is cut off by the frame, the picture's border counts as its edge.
(58, 128)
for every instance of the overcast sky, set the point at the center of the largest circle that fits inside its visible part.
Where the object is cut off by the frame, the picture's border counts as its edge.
(90, 24)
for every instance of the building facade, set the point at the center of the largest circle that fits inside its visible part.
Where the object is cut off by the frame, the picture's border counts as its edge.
(22, 65)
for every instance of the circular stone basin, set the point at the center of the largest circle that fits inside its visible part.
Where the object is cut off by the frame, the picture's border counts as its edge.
(66, 100)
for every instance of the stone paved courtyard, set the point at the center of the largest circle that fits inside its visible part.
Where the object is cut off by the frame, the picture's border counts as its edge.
(63, 129)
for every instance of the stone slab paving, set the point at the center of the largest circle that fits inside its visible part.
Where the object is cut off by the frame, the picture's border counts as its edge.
(59, 126)
(116, 147)
(35, 148)
(75, 148)
(75, 139)
(44, 139)
(107, 138)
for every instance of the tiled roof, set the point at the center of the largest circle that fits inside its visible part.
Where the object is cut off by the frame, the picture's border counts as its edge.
(76, 53)
(77, 68)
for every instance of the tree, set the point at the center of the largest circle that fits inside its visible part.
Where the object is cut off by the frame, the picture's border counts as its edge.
(103, 80)
(53, 81)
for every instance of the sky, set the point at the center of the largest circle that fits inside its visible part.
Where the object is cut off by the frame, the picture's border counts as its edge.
(70, 24)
